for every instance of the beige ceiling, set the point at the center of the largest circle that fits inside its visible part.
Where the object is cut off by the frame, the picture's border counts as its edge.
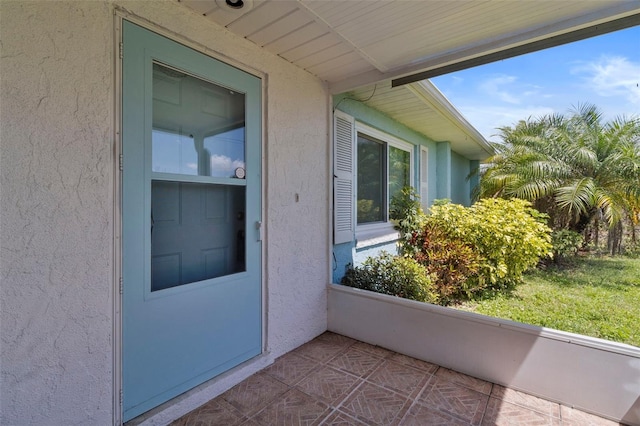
(352, 43)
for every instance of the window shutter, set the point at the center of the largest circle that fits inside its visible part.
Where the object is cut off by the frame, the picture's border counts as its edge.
(343, 178)
(424, 178)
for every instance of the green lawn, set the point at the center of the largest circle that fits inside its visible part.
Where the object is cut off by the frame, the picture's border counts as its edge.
(597, 297)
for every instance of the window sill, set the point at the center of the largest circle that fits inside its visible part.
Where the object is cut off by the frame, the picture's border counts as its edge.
(376, 234)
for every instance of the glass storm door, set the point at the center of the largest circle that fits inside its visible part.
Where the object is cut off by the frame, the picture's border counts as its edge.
(191, 186)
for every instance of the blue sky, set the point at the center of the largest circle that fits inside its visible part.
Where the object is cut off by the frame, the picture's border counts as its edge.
(603, 70)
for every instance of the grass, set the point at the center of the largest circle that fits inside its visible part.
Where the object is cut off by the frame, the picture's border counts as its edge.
(597, 297)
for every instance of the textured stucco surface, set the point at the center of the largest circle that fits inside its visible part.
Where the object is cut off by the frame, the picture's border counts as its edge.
(56, 213)
(57, 200)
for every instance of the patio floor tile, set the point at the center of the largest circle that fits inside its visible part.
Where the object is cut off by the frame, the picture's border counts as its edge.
(571, 416)
(323, 349)
(293, 408)
(356, 362)
(374, 350)
(402, 378)
(214, 412)
(513, 396)
(465, 380)
(291, 368)
(413, 362)
(420, 415)
(341, 419)
(254, 393)
(335, 380)
(375, 405)
(329, 384)
(502, 413)
(458, 401)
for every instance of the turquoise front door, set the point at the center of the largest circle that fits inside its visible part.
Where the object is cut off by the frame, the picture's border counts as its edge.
(191, 215)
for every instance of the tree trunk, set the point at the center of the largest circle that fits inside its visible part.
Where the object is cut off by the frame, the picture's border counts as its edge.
(614, 239)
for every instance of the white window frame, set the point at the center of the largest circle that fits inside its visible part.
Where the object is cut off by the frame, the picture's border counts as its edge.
(379, 232)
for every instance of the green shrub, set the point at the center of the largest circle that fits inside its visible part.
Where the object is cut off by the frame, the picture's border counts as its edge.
(451, 262)
(565, 243)
(407, 215)
(509, 235)
(394, 275)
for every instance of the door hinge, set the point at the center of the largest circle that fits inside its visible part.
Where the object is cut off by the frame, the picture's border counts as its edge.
(120, 160)
(121, 398)
(121, 286)
(121, 48)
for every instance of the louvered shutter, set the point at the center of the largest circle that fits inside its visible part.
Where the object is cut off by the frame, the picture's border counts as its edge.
(343, 178)
(424, 178)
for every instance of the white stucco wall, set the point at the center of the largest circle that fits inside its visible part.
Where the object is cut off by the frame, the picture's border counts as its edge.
(57, 201)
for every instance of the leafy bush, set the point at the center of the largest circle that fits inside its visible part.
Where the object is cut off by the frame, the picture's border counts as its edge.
(394, 275)
(449, 260)
(509, 235)
(406, 213)
(565, 243)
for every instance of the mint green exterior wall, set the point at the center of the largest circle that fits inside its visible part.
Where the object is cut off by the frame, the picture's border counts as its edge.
(447, 176)
(443, 170)
(460, 189)
(375, 118)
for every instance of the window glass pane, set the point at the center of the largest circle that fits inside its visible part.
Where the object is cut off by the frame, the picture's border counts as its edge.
(197, 229)
(197, 232)
(198, 126)
(399, 170)
(371, 181)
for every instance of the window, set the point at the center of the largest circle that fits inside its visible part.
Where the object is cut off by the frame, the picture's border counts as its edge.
(383, 168)
(370, 167)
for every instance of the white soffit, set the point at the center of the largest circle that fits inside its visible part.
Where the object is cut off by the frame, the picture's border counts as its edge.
(423, 108)
(353, 43)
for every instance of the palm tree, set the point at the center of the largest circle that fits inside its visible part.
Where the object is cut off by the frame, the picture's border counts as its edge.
(574, 168)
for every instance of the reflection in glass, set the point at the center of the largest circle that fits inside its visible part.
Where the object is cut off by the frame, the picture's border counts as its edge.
(198, 126)
(197, 232)
(399, 170)
(197, 229)
(173, 153)
(371, 188)
(225, 152)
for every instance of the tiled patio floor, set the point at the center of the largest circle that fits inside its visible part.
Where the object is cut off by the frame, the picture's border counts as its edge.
(335, 380)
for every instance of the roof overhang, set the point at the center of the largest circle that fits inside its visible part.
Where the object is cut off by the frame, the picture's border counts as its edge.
(424, 109)
(368, 46)
(350, 44)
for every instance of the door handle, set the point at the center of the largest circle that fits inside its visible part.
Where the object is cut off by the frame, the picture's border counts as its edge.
(259, 228)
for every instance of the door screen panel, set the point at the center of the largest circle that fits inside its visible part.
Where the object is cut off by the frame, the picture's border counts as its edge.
(197, 232)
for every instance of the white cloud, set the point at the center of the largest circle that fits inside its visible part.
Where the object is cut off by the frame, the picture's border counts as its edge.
(495, 87)
(612, 76)
(487, 118)
(222, 163)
